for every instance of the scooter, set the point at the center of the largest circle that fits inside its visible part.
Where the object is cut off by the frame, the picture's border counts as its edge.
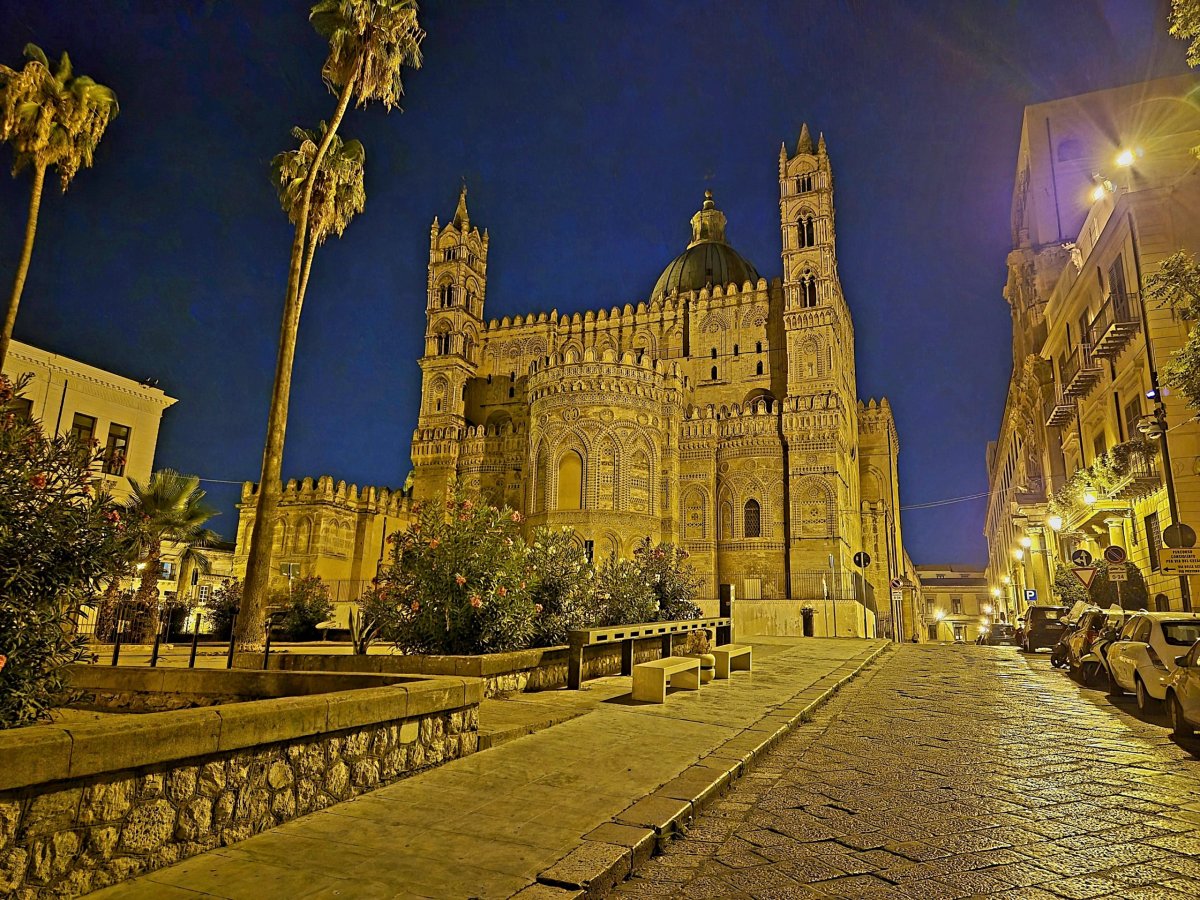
(1095, 662)
(1060, 656)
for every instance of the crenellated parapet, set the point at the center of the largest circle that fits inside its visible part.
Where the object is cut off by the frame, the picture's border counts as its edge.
(324, 490)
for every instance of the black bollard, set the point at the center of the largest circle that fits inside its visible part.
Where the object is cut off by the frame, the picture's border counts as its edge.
(232, 638)
(195, 639)
(267, 645)
(154, 649)
(117, 636)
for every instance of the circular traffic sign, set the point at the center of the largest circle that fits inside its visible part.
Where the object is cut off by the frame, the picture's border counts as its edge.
(862, 559)
(897, 583)
(1114, 554)
(1081, 558)
(1176, 536)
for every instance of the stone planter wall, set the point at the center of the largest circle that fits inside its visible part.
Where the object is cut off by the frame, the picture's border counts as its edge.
(86, 806)
(541, 669)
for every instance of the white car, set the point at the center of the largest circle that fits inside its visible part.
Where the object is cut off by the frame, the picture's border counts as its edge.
(1145, 654)
(1183, 693)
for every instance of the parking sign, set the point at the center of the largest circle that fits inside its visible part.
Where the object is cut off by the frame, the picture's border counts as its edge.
(1030, 596)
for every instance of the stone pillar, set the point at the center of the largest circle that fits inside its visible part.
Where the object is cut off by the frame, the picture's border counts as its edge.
(1040, 565)
(1116, 531)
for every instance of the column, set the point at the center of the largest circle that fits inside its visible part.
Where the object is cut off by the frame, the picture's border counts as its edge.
(1043, 577)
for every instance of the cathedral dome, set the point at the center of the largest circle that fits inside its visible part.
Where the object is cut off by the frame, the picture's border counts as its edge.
(708, 259)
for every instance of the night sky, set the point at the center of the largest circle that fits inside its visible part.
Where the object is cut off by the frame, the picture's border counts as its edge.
(587, 133)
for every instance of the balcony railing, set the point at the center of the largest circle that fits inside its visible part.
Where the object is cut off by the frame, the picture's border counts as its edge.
(1059, 410)
(1136, 477)
(1115, 324)
(1080, 372)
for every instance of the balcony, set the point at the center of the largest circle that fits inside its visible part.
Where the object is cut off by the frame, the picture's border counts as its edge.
(1115, 324)
(1132, 471)
(1059, 410)
(1080, 372)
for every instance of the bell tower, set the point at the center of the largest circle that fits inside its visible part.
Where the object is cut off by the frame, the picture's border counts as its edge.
(455, 289)
(820, 418)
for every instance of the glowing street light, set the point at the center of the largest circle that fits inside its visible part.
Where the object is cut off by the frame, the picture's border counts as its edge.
(1026, 541)
(996, 592)
(1125, 159)
(1018, 554)
(1089, 498)
(1055, 523)
(1098, 193)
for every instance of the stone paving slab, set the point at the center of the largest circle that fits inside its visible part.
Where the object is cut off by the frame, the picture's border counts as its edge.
(951, 772)
(490, 824)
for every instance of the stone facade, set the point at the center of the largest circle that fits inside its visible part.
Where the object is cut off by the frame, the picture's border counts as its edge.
(84, 837)
(719, 414)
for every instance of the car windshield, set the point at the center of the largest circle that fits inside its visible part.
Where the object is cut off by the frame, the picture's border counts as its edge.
(1044, 615)
(1181, 634)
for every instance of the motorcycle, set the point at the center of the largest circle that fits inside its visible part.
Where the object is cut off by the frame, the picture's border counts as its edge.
(1060, 655)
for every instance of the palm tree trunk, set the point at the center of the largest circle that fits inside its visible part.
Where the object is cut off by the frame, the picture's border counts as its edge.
(258, 562)
(35, 205)
(143, 621)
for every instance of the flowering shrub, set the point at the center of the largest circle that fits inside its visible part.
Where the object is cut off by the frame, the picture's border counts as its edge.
(623, 594)
(459, 581)
(222, 607)
(561, 585)
(60, 542)
(672, 580)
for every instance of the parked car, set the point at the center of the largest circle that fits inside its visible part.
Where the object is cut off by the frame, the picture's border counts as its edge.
(1000, 633)
(1183, 693)
(1146, 654)
(1043, 627)
(1084, 646)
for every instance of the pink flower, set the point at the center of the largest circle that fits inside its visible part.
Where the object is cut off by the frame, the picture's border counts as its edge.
(391, 539)
(522, 585)
(416, 607)
(502, 591)
(113, 515)
(516, 516)
(467, 504)
(460, 580)
(434, 543)
(537, 607)
(476, 601)
(38, 481)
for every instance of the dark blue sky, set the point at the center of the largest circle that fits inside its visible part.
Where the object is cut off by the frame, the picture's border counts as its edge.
(587, 132)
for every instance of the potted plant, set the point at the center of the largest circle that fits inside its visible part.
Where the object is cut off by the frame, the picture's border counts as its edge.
(699, 645)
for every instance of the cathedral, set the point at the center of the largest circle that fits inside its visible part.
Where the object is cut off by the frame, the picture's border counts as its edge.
(719, 413)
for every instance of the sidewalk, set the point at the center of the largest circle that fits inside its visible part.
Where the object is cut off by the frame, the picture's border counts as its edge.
(490, 824)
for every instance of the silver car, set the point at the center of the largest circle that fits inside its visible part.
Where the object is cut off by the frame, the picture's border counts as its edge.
(1145, 654)
(1183, 693)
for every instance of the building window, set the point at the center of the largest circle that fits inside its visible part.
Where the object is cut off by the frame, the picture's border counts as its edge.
(589, 550)
(1162, 603)
(1098, 445)
(714, 352)
(804, 184)
(1070, 149)
(759, 369)
(205, 593)
(752, 520)
(20, 407)
(1153, 539)
(446, 295)
(807, 232)
(1133, 412)
(116, 450)
(758, 347)
(735, 349)
(167, 572)
(956, 606)
(83, 428)
(714, 373)
(570, 481)
(808, 291)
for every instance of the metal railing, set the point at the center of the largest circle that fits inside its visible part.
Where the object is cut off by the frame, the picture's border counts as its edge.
(1079, 371)
(1114, 323)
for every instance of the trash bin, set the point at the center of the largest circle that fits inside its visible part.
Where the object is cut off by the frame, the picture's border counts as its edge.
(809, 614)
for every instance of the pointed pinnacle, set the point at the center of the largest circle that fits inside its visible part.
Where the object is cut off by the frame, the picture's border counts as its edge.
(821, 144)
(804, 145)
(460, 214)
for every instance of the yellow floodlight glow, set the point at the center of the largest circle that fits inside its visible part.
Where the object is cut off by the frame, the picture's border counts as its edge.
(1089, 498)
(1026, 542)
(1098, 193)
(1055, 523)
(995, 592)
(1125, 159)
(1018, 554)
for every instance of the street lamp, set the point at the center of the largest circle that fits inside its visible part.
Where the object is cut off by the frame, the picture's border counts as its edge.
(1125, 158)
(1018, 554)
(1026, 541)
(1055, 522)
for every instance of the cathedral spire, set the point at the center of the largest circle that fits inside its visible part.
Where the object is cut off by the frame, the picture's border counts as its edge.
(821, 145)
(461, 219)
(804, 145)
(709, 223)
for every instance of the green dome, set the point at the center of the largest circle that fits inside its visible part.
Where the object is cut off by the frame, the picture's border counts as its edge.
(708, 260)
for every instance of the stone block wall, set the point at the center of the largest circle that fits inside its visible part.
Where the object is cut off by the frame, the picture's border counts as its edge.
(70, 836)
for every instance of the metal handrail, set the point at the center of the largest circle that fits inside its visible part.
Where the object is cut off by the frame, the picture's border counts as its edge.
(1117, 308)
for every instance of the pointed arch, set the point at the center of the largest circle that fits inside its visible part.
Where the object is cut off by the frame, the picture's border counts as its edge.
(302, 542)
(541, 475)
(570, 481)
(751, 519)
(814, 508)
(693, 513)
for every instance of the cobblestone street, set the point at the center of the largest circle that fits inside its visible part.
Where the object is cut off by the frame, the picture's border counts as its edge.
(953, 771)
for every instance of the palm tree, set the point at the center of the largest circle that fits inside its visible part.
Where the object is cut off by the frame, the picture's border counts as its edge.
(51, 118)
(169, 507)
(370, 41)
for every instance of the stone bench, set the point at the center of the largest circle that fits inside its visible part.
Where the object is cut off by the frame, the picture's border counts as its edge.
(650, 678)
(731, 658)
(625, 635)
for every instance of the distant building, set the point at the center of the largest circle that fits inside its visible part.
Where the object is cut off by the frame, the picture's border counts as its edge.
(957, 603)
(1106, 188)
(119, 414)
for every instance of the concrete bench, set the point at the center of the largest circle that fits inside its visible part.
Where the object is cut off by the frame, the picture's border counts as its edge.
(732, 658)
(626, 635)
(650, 678)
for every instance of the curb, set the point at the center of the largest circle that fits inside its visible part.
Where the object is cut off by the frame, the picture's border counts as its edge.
(612, 852)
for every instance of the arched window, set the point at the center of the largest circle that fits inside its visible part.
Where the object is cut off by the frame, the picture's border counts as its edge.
(714, 373)
(808, 290)
(727, 521)
(446, 295)
(804, 184)
(760, 369)
(751, 519)
(570, 481)
(807, 232)
(758, 347)
(444, 343)
(735, 349)
(714, 352)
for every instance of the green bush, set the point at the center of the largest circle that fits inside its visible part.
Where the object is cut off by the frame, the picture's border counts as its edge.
(459, 581)
(61, 541)
(561, 586)
(672, 580)
(222, 607)
(305, 605)
(623, 594)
